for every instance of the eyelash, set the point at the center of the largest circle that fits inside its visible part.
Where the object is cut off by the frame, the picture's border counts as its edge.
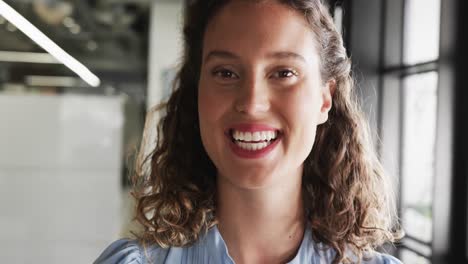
(223, 72)
(290, 73)
(280, 74)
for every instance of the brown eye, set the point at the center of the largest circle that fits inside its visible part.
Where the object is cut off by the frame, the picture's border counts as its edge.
(287, 73)
(225, 74)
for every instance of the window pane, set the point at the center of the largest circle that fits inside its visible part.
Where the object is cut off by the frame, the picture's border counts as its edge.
(421, 248)
(338, 18)
(419, 128)
(410, 257)
(421, 33)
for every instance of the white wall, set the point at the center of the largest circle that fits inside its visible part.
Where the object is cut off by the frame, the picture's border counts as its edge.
(60, 176)
(165, 53)
(165, 45)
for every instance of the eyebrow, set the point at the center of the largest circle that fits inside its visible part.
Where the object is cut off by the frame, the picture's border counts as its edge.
(285, 55)
(220, 54)
(273, 55)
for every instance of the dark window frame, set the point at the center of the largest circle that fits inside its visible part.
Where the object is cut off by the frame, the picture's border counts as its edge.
(379, 24)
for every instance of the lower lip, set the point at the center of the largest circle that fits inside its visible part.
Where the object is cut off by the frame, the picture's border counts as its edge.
(253, 154)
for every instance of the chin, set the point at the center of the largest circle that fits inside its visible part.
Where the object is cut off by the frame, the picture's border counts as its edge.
(251, 179)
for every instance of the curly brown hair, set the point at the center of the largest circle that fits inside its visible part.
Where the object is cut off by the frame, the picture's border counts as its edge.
(348, 199)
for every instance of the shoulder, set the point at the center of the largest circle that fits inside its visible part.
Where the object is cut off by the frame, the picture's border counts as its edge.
(123, 251)
(327, 254)
(126, 251)
(380, 258)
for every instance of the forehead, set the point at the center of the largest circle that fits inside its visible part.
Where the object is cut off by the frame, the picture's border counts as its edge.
(254, 28)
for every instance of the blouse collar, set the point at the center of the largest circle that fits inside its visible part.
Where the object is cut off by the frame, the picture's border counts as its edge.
(305, 254)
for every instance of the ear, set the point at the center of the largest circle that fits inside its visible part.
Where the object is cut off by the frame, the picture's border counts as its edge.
(327, 95)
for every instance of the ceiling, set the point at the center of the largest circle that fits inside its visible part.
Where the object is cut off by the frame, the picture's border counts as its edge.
(108, 36)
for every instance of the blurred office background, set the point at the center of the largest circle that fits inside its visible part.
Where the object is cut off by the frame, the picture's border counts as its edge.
(70, 127)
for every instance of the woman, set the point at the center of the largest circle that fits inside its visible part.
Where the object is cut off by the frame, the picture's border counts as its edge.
(262, 155)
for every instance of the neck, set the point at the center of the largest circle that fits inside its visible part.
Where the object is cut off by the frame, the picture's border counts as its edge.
(261, 225)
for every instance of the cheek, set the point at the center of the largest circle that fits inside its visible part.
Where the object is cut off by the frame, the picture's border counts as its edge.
(206, 104)
(301, 113)
(302, 107)
(305, 122)
(213, 103)
(205, 116)
(211, 110)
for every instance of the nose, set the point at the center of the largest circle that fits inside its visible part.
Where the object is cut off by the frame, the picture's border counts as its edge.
(253, 97)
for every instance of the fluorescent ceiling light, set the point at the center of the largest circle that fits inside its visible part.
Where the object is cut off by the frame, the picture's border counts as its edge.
(47, 44)
(27, 57)
(53, 81)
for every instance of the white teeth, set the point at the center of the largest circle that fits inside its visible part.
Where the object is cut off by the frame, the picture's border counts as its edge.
(254, 136)
(252, 146)
(235, 134)
(238, 135)
(271, 134)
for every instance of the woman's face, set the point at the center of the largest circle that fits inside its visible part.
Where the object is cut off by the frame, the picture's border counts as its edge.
(260, 95)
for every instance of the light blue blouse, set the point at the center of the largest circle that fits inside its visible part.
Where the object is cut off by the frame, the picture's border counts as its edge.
(211, 249)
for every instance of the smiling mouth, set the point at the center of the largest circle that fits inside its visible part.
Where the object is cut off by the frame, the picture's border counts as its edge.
(254, 141)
